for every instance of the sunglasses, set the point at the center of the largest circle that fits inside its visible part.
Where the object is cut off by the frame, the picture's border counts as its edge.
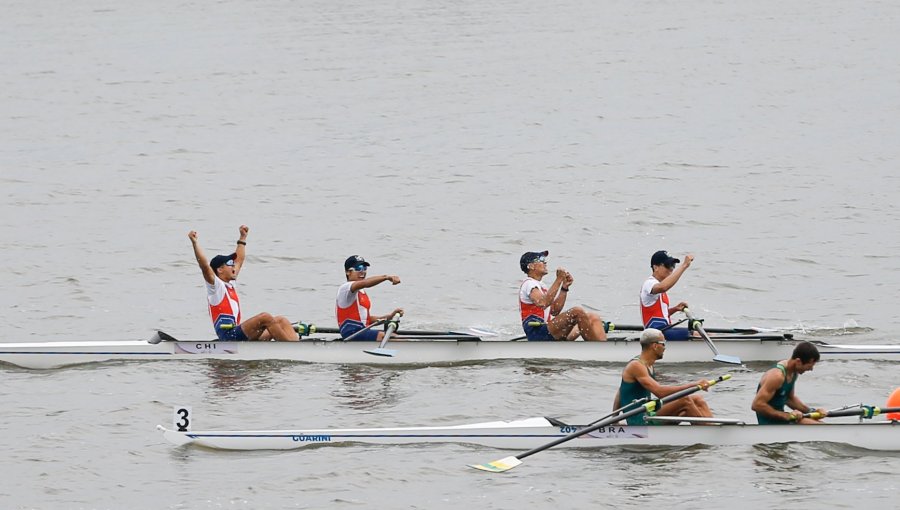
(230, 262)
(360, 268)
(541, 259)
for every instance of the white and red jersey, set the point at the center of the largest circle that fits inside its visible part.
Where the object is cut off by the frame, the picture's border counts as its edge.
(527, 308)
(223, 302)
(653, 306)
(352, 305)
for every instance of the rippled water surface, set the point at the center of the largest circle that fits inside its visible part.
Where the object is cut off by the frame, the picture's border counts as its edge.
(439, 140)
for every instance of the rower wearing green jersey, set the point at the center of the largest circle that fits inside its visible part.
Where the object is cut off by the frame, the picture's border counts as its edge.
(639, 382)
(776, 389)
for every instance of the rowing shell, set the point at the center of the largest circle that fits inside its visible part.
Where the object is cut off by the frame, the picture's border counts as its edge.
(420, 350)
(533, 432)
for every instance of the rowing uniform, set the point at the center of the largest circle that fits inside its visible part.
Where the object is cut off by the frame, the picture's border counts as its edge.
(352, 311)
(655, 312)
(631, 391)
(225, 310)
(779, 400)
(531, 312)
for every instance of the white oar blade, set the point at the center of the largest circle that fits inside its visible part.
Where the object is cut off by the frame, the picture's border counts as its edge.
(483, 332)
(498, 466)
(725, 358)
(378, 351)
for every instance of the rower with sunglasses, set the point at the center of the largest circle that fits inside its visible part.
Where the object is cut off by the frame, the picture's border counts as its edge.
(352, 306)
(541, 307)
(655, 310)
(224, 305)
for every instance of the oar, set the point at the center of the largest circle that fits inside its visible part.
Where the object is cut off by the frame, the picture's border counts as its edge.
(380, 350)
(866, 412)
(633, 404)
(734, 331)
(696, 325)
(507, 463)
(370, 326)
(160, 336)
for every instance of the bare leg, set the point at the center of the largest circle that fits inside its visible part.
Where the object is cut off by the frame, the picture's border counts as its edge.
(590, 325)
(264, 326)
(692, 405)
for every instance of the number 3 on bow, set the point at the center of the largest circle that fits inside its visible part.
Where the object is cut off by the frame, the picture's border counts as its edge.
(181, 418)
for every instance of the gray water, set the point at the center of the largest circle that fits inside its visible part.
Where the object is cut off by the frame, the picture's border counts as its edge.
(439, 140)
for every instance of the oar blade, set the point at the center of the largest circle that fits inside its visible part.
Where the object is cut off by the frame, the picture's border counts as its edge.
(378, 351)
(498, 466)
(725, 358)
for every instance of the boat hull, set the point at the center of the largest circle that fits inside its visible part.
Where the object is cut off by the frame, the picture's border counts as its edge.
(46, 355)
(534, 432)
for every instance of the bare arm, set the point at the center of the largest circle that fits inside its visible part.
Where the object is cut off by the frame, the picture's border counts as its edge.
(207, 271)
(373, 281)
(560, 302)
(545, 299)
(673, 278)
(794, 402)
(772, 380)
(641, 374)
(241, 249)
(395, 311)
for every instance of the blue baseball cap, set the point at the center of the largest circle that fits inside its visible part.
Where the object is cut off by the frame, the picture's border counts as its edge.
(219, 260)
(530, 256)
(662, 258)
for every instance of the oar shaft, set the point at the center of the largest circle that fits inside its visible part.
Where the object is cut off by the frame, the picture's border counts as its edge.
(392, 326)
(649, 406)
(634, 327)
(370, 326)
(632, 404)
(862, 411)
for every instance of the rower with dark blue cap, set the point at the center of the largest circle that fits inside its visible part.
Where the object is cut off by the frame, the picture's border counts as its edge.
(541, 307)
(353, 307)
(656, 311)
(224, 304)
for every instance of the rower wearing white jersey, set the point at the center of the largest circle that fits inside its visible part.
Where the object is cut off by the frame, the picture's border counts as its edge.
(224, 305)
(352, 306)
(655, 309)
(541, 307)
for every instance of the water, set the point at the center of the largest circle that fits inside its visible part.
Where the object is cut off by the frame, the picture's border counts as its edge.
(440, 141)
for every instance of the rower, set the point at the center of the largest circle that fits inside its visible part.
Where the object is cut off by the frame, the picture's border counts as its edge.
(540, 307)
(776, 389)
(639, 381)
(655, 310)
(352, 306)
(224, 305)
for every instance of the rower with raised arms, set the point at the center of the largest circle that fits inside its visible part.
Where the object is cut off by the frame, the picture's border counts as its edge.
(776, 390)
(224, 305)
(655, 309)
(541, 307)
(352, 306)
(639, 382)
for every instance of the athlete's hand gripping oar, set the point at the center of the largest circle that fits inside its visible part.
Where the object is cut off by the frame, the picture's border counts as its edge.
(507, 463)
(393, 324)
(695, 325)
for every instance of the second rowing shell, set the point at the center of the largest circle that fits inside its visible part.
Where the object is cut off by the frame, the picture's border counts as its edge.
(413, 351)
